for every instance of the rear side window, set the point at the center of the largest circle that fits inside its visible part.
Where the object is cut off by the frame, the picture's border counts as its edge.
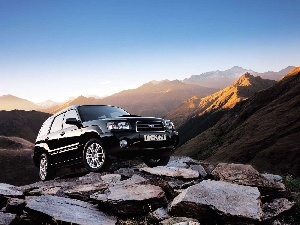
(70, 114)
(45, 127)
(57, 123)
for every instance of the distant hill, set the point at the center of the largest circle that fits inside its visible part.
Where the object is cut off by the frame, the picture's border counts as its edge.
(221, 79)
(150, 99)
(16, 162)
(10, 102)
(14, 143)
(243, 88)
(263, 131)
(19, 123)
(48, 104)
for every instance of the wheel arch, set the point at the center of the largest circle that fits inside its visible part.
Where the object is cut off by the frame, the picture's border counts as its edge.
(38, 151)
(88, 136)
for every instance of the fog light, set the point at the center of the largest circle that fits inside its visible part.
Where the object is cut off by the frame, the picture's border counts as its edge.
(123, 143)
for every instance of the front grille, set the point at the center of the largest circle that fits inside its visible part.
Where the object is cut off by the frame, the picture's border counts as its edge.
(149, 126)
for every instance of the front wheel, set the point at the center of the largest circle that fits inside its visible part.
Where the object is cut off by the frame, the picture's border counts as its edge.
(156, 161)
(94, 156)
(45, 172)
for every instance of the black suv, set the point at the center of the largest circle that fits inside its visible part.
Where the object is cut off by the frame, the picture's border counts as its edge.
(97, 134)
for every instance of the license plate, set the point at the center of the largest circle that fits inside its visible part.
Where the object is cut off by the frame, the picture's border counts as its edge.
(155, 137)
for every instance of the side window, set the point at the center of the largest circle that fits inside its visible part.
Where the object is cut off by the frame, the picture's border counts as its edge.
(57, 123)
(45, 127)
(69, 114)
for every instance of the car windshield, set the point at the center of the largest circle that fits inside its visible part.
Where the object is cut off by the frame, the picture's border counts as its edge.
(95, 112)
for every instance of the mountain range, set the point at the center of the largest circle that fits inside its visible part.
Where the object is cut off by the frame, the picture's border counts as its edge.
(155, 98)
(150, 99)
(221, 79)
(263, 131)
(244, 87)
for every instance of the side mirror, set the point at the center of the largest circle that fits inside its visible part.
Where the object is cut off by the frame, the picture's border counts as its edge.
(73, 121)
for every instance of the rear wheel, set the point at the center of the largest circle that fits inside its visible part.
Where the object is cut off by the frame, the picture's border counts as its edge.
(156, 161)
(45, 170)
(94, 156)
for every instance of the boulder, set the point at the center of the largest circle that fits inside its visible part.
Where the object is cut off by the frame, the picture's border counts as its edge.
(211, 198)
(7, 218)
(247, 175)
(134, 199)
(171, 172)
(276, 207)
(66, 210)
(169, 191)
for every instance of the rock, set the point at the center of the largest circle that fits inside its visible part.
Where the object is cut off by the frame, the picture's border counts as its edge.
(172, 172)
(15, 205)
(276, 207)
(247, 175)
(135, 179)
(83, 191)
(180, 162)
(159, 214)
(10, 190)
(179, 221)
(209, 198)
(126, 172)
(7, 218)
(67, 210)
(111, 178)
(200, 170)
(134, 199)
(45, 191)
(272, 177)
(208, 167)
(91, 178)
(169, 191)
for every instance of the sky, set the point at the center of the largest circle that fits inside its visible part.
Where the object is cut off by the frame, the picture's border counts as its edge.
(57, 49)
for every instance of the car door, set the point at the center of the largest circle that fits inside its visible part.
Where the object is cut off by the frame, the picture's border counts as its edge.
(53, 138)
(70, 137)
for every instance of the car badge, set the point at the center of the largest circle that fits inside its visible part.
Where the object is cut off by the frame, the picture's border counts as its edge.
(151, 125)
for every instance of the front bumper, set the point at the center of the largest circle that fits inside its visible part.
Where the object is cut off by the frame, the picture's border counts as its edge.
(128, 144)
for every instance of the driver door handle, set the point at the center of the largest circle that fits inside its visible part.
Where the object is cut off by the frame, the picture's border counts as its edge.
(62, 133)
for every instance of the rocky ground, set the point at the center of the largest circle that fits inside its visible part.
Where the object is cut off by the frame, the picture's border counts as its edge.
(184, 192)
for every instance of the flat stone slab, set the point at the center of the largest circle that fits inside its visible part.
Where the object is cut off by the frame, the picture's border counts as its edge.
(131, 199)
(10, 190)
(68, 210)
(83, 191)
(171, 172)
(226, 199)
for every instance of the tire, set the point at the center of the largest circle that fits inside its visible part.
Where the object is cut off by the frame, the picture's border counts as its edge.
(45, 170)
(94, 156)
(156, 161)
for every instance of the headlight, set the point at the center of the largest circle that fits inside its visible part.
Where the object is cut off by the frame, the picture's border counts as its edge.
(117, 125)
(169, 125)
